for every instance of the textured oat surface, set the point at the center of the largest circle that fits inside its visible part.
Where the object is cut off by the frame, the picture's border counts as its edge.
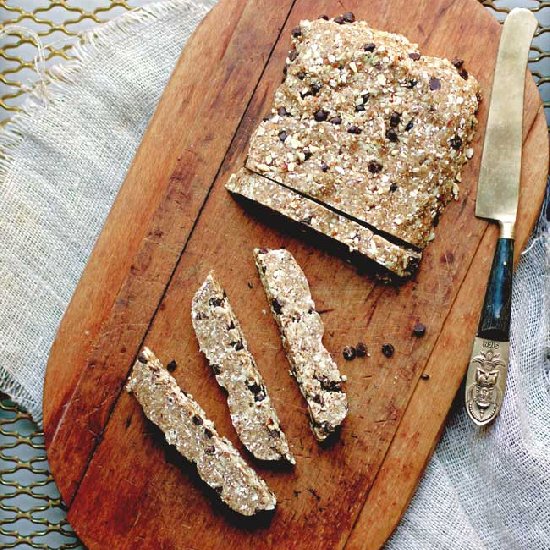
(222, 341)
(186, 426)
(367, 124)
(355, 237)
(302, 331)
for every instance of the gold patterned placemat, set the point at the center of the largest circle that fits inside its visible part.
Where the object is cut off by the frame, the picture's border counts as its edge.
(31, 511)
(40, 33)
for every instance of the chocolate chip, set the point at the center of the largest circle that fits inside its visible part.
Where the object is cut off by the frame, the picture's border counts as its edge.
(281, 111)
(325, 17)
(370, 47)
(210, 450)
(374, 167)
(354, 129)
(409, 126)
(339, 20)
(254, 387)
(296, 32)
(201, 316)
(388, 350)
(208, 433)
(395, 119)
(365, 97)
(171, 367)
(410, 83)
(314, 89)
(292, 55)
(310, 310)
(349, 17)
(263, 250)
(459, 64)
(361, 349)
(141, 358)
(277, 306)
(320, 115)
(274, 433)
(349, 353)
(391, 134)
(359, 108)
(259, 397)
(215, 302)
(435, 84)
(415, 56)
(336, 120)
(317, 399)
(456, 142)
(326, 428)
(238, 345)
(197, 420)
(330, 385)
(425, 376)
(307, 154)
(301, 75)
(283, 135)
(324, 167)
(419, 330)
(393, 187)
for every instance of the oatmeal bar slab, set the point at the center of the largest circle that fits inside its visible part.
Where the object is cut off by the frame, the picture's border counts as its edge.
(222, 341)
(186, 427)
(302, 331)
(355, 237)
(367, 125)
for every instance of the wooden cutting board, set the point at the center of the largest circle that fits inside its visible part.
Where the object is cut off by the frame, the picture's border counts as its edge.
(173, 221)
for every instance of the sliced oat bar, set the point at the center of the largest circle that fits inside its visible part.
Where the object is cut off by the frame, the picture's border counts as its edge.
(367, 125)
(222, 341)
(355, 237)
(186, 426)
(302, 330)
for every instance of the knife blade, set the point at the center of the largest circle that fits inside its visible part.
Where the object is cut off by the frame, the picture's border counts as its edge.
(497, 199)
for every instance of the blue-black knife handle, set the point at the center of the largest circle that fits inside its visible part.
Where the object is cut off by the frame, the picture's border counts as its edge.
(494, 323)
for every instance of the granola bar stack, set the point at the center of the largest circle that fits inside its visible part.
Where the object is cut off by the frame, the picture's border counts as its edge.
(370, 131)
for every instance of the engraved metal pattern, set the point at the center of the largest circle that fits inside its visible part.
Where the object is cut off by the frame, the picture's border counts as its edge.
(486, 379)
(31, 512)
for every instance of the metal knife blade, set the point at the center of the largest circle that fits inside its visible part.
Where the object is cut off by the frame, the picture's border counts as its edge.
(498, 185)
(497, 199)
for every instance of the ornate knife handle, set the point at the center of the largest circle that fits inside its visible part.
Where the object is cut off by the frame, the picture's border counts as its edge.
(486, 379)
(494, 323)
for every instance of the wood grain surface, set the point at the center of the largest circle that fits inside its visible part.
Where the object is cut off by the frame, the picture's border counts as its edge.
(173, 221)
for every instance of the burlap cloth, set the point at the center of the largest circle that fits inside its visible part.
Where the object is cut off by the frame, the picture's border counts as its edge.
(63, 162)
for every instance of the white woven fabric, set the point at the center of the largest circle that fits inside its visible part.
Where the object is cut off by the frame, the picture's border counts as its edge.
(490, 488)
(64, 162)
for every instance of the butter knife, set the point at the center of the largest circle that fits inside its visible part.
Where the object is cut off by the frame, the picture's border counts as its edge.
(497, 199)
